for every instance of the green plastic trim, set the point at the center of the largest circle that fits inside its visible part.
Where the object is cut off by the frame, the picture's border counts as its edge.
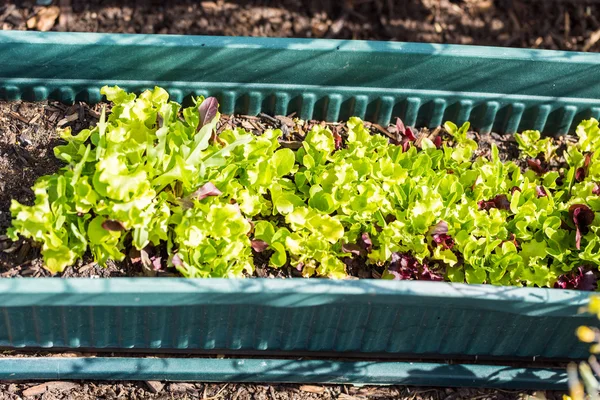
(295, 293)
(297, 316)
(282, 371)
(497, 89)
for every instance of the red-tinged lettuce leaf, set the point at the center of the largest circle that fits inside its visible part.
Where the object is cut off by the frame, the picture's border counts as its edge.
(439, 233)
(429, 275)
(208, 189)
(208, 111)
(500, 201)
(113, 225)
(404, 267)
(513, 239)
(515, 189)
(134, 255)
(365, 242)
(536, 166)
(596, 190)
(362, 246)
(439, 228)
(580, 279)
(541, 191)
(405, 135)
(400, 126)
(259, 245)
(409, 134)
(337, 139)
(176, 260)
(582, 216)
(444, 240)
(352, 248)
(156, 263)
(438, 142)
(582, 172)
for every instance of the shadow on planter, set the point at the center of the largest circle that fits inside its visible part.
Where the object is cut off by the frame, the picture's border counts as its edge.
(389, 318)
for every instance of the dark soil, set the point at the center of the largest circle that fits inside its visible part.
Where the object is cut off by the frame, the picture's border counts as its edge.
(89, 390)
(547, 24)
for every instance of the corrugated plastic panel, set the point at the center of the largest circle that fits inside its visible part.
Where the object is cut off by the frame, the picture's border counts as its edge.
(386, 318)
(499, 89)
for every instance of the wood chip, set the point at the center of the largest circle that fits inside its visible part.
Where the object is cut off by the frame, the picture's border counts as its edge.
(44, 387)
(181, 387)
(85, 267)
(247, 125)
(344, 396)
(93, 113)
(65, 15)
(15, 246)
(312, 389)
(384, 131)
(34, 119)
(286, 121)
(594, 37)
(72, 354)
(155, 386)
(290, 144)
(46, 18)
(18, 116)
(32, 22)
(68, 118)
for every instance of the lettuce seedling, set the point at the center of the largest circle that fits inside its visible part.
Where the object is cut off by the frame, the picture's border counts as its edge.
(154, 175)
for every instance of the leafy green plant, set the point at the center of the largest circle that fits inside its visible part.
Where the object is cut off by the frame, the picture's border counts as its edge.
(154, 176)
(531, 144)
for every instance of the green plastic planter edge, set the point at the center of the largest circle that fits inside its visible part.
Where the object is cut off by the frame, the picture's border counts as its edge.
(364, 318)
(282, 371)
(499, 89)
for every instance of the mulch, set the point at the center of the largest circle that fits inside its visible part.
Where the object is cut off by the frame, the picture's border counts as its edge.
(88, 390)
(544, 24)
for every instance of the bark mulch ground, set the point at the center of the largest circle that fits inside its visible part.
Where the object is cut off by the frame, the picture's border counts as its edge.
(544, 24)
(88, 390)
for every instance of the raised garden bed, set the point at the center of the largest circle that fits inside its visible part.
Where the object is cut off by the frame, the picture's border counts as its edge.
(500, 90)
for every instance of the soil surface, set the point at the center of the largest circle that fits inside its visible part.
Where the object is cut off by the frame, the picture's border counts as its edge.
(89, 390)
(556, 24)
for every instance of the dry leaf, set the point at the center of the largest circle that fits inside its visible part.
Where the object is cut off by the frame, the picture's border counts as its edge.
(32, 22)
(312, 389)
(594, 37)
(46, 18)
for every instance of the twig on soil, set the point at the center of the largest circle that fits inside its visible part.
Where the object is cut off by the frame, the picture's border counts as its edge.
(216, 396)
(384, 131)
(19, 117)
(269, 118)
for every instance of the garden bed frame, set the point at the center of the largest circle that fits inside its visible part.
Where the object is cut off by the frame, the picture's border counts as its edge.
(497, 89)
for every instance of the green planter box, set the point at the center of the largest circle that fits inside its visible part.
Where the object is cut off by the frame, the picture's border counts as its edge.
(504, 90)
(370, 318)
